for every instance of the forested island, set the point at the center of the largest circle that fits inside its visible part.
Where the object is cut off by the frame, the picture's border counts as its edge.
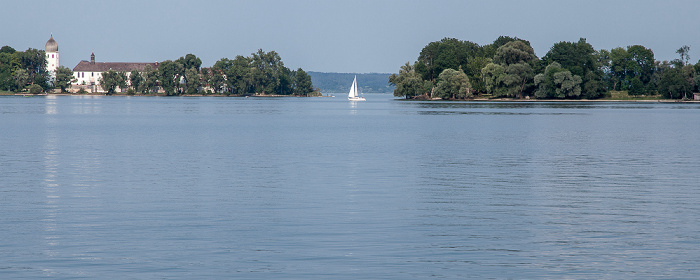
(508, 68)
(261, 73)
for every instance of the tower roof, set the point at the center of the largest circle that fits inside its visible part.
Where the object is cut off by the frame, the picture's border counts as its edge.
(51, 45)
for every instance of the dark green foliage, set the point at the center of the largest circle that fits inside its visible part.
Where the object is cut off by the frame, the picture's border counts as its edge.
(21, 69)
(110, 80)
(581, 60)
(260, 73)
(409, 83)
(136, 80)
(302, 83)
(64, 78)
(452, 84)
(169, 76)
(35, 89)
(672, 84)
(511, 73)
(636, 86)
(557, 82)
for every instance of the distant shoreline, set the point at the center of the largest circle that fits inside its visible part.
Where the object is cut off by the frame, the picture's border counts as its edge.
(401, 99)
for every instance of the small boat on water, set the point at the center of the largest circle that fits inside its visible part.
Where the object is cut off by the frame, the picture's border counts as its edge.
(353, 96)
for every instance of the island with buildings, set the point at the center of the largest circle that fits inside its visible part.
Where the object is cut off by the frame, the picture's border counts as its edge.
(262, 74)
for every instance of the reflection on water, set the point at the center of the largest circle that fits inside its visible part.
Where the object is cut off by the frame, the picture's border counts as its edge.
(300, 188)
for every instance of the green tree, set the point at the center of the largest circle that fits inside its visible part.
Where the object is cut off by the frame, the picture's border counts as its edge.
(409, 83)
(618, 66)
(266, 68)
(136, 80)
(636, 86)
(192, 78)
(492, 75)
(511, 72)
(579, 58)
(640, 63)
(110, 80)
(557, 82)
(35, 89)
(452, 84)
(64, 78)
(34, 61)
(302, 82)
(169, 76)
(122, 81)
(683, 52)
(21, 78)
(190, 61)
(9, 62)
(150, 80)
(672, 84)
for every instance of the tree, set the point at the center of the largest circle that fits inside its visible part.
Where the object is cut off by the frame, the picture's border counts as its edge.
(190, 61)
(192, 78)
(64, 78)
(9, 62)
(514, 52)
(453, 84)
(636, 86)
(21, 78)
(35, 89)
(672, 84)
(302, 83)
(110, 80)
(266, 67)
(557, 82)
(7, 49)
(136, 80)
(492, 75)
(618, 66)
(122, 81)
(150, 80)
(34, 61)
(169, 76)
(579, 58)
(683, 52)
(408, 83)
(511, 71)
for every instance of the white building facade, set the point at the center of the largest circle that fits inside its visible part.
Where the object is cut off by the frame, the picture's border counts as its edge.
(51, 50)
(88, 73)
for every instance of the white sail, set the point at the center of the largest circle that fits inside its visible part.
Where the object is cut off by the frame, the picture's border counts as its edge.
(353, 89)
(352, 95)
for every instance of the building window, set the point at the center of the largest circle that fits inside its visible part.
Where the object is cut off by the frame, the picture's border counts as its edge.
(93, 74)
(52, 56)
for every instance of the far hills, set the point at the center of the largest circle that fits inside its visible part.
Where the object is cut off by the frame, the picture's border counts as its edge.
(340, 82)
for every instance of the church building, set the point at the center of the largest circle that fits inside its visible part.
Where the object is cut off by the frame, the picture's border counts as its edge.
(88, 73)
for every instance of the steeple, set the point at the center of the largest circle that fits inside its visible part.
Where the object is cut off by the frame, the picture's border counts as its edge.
(92, 58)
(51, 45)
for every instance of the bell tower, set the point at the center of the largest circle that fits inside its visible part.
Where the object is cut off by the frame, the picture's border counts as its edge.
(51, 49)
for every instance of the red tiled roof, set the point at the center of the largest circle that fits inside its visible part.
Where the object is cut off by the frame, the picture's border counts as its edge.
(86, 66)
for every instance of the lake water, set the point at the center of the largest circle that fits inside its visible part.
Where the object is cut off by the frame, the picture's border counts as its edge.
(322, 188)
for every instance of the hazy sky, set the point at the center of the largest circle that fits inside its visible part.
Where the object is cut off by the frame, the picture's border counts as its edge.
(336, 36)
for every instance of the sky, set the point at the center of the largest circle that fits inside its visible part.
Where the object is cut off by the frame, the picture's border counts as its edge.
(358, 36)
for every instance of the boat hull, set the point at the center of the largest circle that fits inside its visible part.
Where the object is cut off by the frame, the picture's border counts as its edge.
(356, 98)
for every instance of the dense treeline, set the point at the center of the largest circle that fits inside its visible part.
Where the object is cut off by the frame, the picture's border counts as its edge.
(23, 70)
(508, 68)
(261, 73)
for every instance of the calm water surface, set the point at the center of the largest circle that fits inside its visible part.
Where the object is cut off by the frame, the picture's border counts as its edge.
(321, 188)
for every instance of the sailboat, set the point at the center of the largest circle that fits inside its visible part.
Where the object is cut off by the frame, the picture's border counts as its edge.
(352, 96)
